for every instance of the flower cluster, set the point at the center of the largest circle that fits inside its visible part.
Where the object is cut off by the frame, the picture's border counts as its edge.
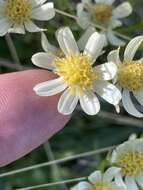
(126, 172)
(82, 79)
(80, 75)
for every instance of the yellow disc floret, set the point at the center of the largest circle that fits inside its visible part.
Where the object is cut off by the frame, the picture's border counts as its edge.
(102, 186)
(77, 72)
(131, 163)
(18, 11)
(102, 12)
(130, 76)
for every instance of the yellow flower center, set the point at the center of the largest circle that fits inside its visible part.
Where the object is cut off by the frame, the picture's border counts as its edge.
(18, 11)
(77, 72)
(102, 186)
(131, 163)
(130, 76)
(102, 12)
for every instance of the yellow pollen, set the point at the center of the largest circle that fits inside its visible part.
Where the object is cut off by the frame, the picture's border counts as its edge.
(18, 11)
(131, 163)
(77, 72)
(102, 12)
(130, 76)
(102, 186)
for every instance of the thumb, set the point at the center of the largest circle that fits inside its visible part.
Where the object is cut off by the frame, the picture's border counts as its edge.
(27, 120)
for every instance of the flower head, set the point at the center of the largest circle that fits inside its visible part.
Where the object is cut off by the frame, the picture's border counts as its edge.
(99, 181)
(77, 76)
(129, 157)
(129, 76)
(104, 13)
(17, 15)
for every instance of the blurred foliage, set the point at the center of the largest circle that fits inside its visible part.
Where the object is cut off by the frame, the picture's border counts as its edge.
(82, 133)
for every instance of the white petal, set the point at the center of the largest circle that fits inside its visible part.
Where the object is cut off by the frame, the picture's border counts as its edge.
(83, 19)
(123, 10)
(44, 12)
(131, 184)
(115, 23)
(35, 3)
(95, 45)
(31, 27)
(128, 104)
(82, 186)
(95, 177)
(108, 92)
(141, 60)
(4, 26)
(84, 38)
(132, 47)
(114, 57)
(47, 47)
(90, 103)
(67, 103)
(67, 42)
(119, 181)
(44, 60)
(139, 180)
(109, 2)
(50, 88)
(106, 71)
(110, 174)
(114, 40)
(17, 29)
(139, 97)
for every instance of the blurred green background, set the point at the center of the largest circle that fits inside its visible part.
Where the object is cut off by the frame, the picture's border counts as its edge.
(82, 133)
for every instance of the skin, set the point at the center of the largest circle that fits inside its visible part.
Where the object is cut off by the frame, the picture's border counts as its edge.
(27, 120)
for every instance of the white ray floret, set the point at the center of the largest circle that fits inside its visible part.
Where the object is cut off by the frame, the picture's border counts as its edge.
(18, 15)
(129, 76)
(99, 181)
(129, 157)
(78, 78)
(104, 13)
(48, 47)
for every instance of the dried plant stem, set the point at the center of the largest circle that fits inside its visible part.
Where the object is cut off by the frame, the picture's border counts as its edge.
(59, 161)
(13, 52)
(54, 167)
(53, 184)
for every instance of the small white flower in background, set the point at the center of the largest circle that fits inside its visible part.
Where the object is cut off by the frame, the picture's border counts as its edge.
(129, 157)
(103, 12)
(78, 78)
(17, 15)
(99, 181)
(48, 47)
(129, 77)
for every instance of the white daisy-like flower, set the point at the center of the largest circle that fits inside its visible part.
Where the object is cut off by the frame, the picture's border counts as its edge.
(103, 12)
(99, 181)
(78, 78)
(17, 15)
(129, 77)
(129, 157)
(48, 47)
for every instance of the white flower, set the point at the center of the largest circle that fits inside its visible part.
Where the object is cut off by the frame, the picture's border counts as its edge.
(129, 157)
(48, 47)
(129, 76)
(99, 181)
(17, 15)
(77, 76)
(103, 12)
